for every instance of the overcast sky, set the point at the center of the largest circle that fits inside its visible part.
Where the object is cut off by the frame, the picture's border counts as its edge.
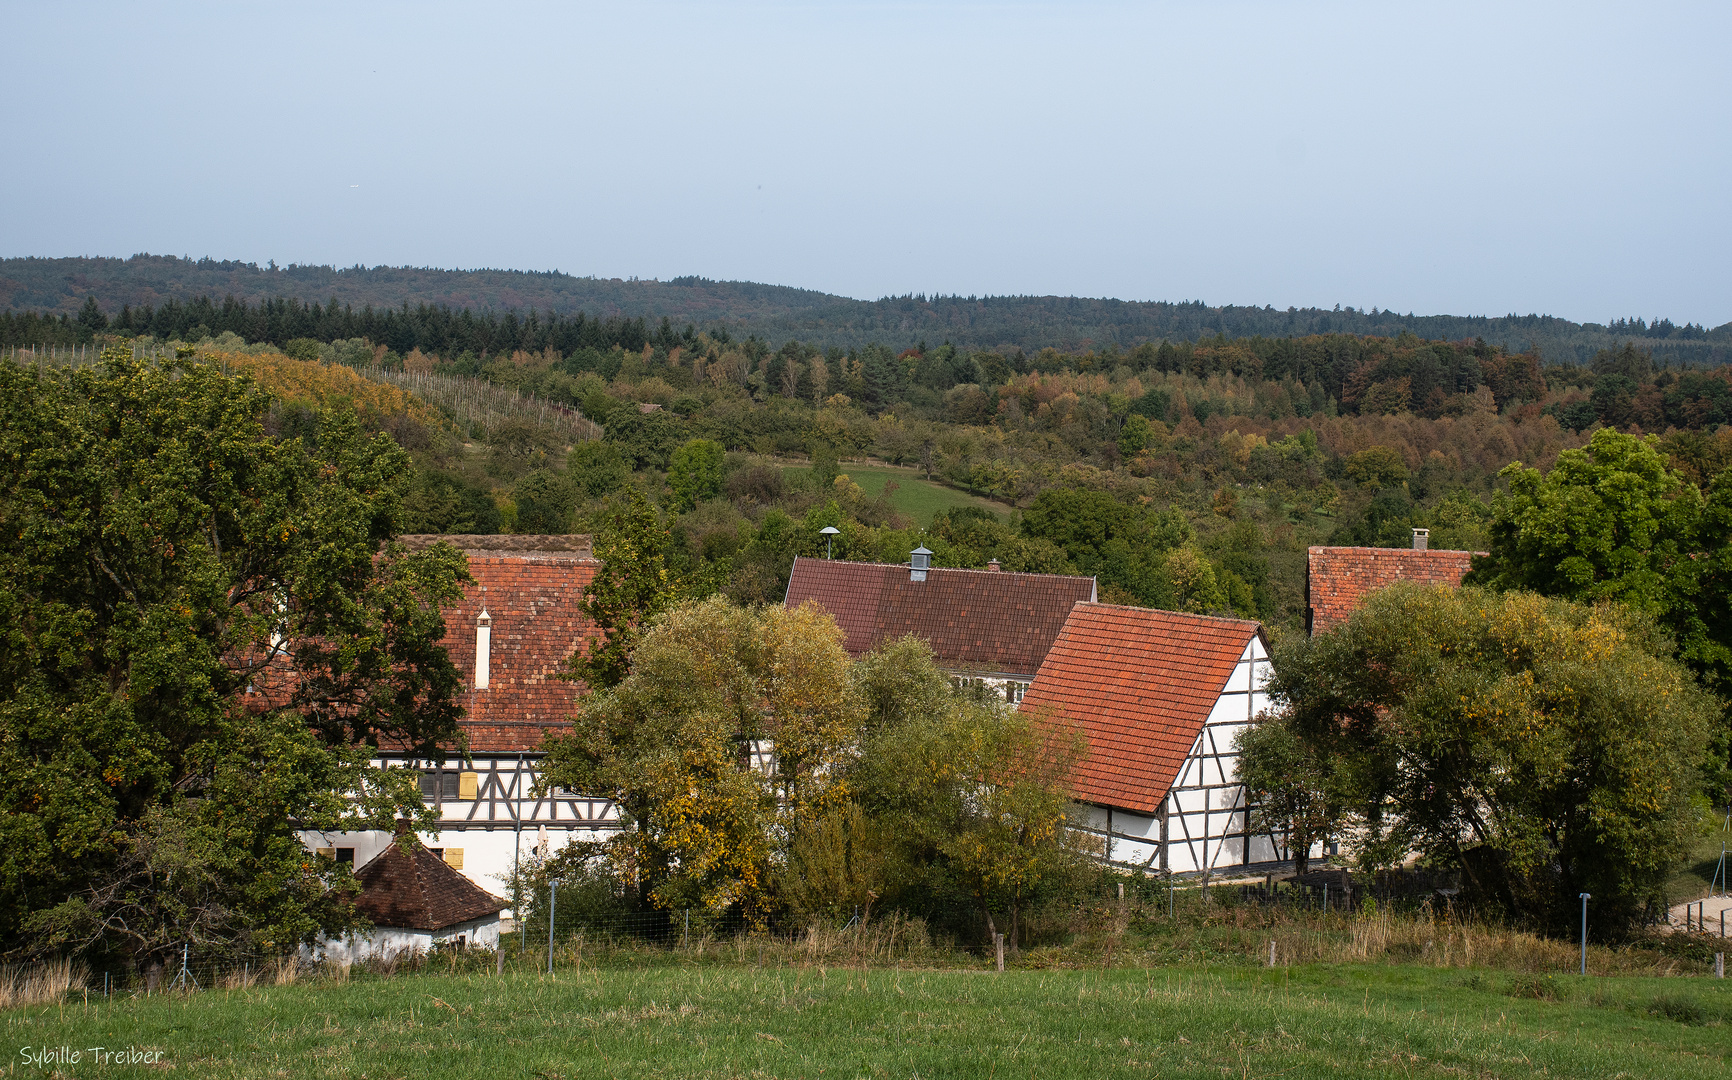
(1573, 159)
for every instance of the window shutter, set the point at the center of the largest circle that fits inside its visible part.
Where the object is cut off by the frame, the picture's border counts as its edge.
(454, 858)
(467, 784)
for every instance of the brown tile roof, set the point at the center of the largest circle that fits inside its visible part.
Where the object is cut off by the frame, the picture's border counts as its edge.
(1339, 579)
(419, 892)
(1141, 684)
(986, 620)
(531, 586)
(532, 598)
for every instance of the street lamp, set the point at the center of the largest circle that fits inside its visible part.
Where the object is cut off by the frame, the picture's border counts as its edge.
(829, 533)
(1585, 898)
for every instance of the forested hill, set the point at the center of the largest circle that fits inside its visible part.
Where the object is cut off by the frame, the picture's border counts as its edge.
(778, 313)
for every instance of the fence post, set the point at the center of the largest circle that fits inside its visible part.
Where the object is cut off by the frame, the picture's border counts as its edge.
(686, 934)
(1719, 965)
(998, 943)
(1271, 953)
(1585, 898)
(552, 902)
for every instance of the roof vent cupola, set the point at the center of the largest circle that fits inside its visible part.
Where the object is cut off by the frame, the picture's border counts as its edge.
(919, 561)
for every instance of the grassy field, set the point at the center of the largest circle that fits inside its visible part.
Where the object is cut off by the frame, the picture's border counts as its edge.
(678, 1020)
(918, 498)
(1696, 876)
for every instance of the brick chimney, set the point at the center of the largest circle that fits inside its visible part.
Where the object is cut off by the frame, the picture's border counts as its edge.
(1421, 537)
(992, 565)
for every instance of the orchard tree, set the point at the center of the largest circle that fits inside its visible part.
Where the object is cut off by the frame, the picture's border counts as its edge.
(971, 800)
(671, 745)
(1543, 748)
(205, 630)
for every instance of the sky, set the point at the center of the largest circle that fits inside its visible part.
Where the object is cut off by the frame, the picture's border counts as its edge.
(1451, 158)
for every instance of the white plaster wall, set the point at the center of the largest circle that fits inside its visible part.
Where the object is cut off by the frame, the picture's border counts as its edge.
(488, 856)
(386, 942)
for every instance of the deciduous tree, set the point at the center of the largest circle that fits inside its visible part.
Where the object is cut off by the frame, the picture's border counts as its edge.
(205, 628)
(1541, 747)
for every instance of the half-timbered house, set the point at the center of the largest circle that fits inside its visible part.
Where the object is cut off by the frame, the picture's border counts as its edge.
(1160, 697)
(509, 637)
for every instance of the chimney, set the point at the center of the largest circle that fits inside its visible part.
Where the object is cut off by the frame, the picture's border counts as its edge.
(483, 649)
(992, 565)
(1420, 539)
(919, 561)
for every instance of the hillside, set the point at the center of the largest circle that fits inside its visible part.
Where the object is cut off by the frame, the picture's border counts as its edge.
(777, 313)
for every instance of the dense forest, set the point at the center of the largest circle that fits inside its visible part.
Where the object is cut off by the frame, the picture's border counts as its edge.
(276, 303)
(1189, 476)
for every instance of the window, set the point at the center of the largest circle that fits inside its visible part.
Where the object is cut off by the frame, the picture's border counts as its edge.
(1014, 691)
(346, 855)
(439, 784)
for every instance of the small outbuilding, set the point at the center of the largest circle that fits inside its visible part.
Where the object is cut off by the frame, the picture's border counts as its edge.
(416, 901)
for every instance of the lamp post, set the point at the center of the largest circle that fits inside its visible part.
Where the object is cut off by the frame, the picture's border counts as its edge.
(829, 533)
(1585, 898)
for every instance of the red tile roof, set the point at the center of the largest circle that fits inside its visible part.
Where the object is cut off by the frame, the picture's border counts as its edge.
(419, 892)
(1339, 579)
(532, 597)
(1141, 684)
(986, 620)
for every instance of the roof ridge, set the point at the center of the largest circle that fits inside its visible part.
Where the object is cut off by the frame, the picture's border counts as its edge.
(950, 569)
(1232, 620)
(1396, 550)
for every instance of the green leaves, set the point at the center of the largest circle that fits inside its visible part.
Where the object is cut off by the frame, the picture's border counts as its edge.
(633, 585)
(1542, 747)
(201, 625)
(1615, 522)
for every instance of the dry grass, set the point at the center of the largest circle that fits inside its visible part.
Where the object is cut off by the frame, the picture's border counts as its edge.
(894, 940)
(39, 984)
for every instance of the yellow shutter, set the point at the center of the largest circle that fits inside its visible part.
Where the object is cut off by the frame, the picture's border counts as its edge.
(466, 784)
(326, 852)
(454, 858)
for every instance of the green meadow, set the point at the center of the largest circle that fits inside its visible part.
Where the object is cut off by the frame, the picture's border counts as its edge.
(687, 1020)
(920, 499)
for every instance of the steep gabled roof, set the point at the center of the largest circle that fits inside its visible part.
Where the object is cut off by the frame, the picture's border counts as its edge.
(1338, 579)
(418, 891)
(1141, 684)
(988, 620)
(531, 587)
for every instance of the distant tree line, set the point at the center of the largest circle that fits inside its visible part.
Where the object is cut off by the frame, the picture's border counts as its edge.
(427, 327)
(58, 287)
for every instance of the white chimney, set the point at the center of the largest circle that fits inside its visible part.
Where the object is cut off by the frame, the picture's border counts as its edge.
(483, 649)
(919, 561)
(1421, 539)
